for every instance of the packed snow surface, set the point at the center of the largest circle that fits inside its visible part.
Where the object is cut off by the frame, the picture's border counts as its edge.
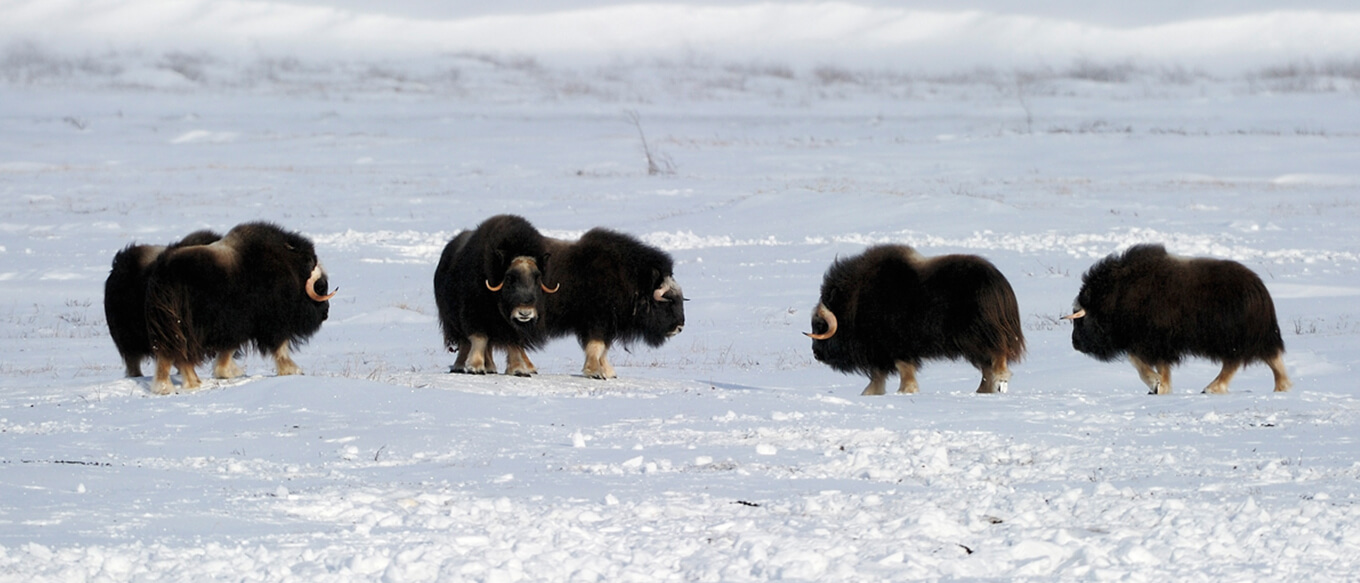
(729, 453)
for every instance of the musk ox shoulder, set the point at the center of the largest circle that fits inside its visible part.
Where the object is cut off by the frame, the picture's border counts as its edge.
(891, 308)
(1159, 308)
(488, 288)
(259, 285)
(125, 297)
(614, 288)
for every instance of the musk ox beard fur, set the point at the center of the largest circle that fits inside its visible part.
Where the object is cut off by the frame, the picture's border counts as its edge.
(259, 285)
(125, 297)
(1159, 308)
(489, 290)
(890, 308)
(614, 288)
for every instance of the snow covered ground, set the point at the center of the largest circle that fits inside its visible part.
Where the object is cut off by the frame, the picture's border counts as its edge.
(729, 453)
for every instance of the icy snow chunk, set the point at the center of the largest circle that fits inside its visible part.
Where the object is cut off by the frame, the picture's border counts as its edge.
(204, 136)
(766, 449)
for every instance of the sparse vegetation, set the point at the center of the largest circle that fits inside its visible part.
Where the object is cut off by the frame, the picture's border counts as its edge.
(657, 163)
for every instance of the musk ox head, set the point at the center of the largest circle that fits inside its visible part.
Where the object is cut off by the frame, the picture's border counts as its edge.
(519, 288)
(661, 313)
(1099, 328)
(831, 342)
(835, 342)
(513, 260)
(271, 257)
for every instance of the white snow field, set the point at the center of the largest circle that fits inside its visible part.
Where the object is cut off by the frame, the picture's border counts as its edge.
(728, 454)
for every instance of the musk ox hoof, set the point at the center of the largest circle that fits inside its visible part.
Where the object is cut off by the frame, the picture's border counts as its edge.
(162, 388)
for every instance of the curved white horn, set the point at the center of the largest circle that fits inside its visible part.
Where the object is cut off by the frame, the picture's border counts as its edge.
(550, 291)
(830, 324)
(311, 286)
(496, 288)
(1076, 315)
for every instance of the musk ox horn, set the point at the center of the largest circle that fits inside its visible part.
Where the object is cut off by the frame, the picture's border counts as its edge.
(496, 288)
(830, 324)
(660, 293)
(311, 286)
(1079, 314)
(550, 291)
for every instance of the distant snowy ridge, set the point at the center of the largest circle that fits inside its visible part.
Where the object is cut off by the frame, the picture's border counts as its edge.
(815, 32)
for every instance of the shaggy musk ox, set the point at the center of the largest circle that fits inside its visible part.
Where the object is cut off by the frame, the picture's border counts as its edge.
(891, 308)
(1159, 308)
(614, 288)
(259, 284)
(489, 289)
(125, 297)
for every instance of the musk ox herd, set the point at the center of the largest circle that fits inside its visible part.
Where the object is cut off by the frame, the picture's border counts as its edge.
(505, 287)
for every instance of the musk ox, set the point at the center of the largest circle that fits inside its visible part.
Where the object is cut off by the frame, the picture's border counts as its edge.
(259, 285)
(614, 288)
(488, 287)
(891, 308)
(125, 297)
(1158, 308)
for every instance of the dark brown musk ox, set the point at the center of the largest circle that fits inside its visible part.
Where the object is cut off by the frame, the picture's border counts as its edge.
(614, 289)
(891, 308)
(489, 290)
(1159, 308)
(125, 298)
(259, 285)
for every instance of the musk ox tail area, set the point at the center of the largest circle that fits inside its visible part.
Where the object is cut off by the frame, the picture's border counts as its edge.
(447, 303)
(125, 304)
(998, 306)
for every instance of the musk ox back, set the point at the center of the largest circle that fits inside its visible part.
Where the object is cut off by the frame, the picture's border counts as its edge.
(488, 287)
(125, 297)
(891, 308)
(259, 285)
(1158, 308)
(614, 288)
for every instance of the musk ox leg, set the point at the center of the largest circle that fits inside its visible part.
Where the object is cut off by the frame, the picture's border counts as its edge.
(1282, 382)
(1219, 386)
(225, 366)
(1158, 381)
(160, 383)
(906, 371)
(878, 382)
(995, 378)
(517, 362)
(189, 375)
(479, 356)
(283, 361)
(133, 364)
(597, 361)
(460, 363)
